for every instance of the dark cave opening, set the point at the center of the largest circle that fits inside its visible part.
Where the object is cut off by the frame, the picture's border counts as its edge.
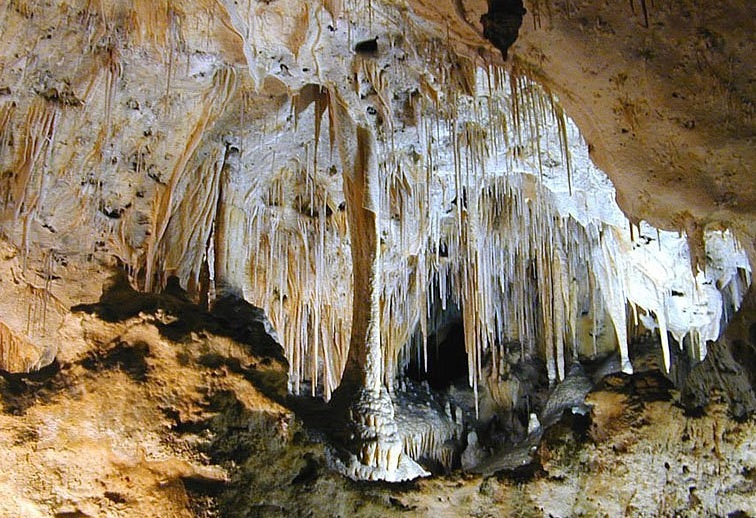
(502, 22)
(447, 358)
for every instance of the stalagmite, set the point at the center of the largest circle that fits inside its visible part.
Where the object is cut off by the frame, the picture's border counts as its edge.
(371, 410)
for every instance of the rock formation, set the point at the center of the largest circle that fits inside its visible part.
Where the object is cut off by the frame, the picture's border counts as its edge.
(368, 172)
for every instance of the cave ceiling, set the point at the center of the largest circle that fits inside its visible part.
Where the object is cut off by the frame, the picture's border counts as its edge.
(125, 126)
(662, 93)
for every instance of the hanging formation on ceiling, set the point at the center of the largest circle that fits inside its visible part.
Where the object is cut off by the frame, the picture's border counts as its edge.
(485, 195)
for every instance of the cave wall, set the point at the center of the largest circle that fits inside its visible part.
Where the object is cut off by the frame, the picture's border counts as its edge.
(123, 128)
(664, 98)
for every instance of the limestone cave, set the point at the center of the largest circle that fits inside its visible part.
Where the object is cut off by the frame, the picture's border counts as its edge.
(377, 258)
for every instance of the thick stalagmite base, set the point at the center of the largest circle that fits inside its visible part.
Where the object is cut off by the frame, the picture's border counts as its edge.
(375, 441)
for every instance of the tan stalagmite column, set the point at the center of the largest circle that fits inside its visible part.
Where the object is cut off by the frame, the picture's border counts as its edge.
(373, 431)
(230, 232)
(364, 360)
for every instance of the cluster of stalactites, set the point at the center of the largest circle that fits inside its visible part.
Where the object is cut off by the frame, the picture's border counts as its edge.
(301, 275)
(458, 223)
(489, 241)
(519, 272)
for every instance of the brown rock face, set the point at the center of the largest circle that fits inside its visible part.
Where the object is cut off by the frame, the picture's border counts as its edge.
(665, 99)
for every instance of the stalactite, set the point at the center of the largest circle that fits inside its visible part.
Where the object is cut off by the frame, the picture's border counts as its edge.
(114, 72)
(32, 156)
(214, 103)
(7, 110)
(192, 220)
(561, 121)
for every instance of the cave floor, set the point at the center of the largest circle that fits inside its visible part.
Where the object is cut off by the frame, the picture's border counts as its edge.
(157, 413)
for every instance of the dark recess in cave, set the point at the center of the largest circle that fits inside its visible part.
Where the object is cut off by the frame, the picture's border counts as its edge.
(128, 358)
(501, 24)
(447, 358)
(367, 47)
(19, 391)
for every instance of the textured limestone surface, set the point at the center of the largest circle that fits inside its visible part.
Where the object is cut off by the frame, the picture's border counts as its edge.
(355, 169)
(166, 410)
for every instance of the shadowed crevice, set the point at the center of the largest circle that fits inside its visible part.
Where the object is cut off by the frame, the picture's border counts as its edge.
(501, 24)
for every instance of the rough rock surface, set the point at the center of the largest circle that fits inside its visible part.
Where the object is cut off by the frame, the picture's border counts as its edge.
(162, 412)
(183, 137)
